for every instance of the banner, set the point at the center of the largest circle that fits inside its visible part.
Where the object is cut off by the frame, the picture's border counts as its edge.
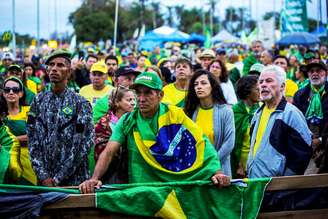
(294, 17)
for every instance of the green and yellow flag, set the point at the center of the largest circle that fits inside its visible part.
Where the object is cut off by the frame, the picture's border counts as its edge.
(9, 154)
(169, 159)
(169, 147)
(196, 199)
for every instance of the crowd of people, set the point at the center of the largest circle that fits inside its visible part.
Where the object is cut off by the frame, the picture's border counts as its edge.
(223, 113)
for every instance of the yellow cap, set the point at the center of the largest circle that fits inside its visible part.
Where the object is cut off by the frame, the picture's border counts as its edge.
(99, 67)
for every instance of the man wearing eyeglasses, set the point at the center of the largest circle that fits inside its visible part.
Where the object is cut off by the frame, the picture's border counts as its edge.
(312, 100)
(60, 128)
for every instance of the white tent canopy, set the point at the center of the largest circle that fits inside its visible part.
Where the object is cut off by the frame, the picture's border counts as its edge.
(224, 36)
(165, 30)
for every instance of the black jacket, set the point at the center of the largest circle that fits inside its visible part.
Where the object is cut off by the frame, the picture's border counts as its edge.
(302, 101)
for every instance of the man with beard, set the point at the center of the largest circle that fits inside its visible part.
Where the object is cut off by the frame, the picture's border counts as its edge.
(112, 65)
(312, 100)
(280, 137)
(60, 128)
(254, 57)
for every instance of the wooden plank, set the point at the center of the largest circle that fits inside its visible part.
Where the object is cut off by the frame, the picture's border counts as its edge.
(298, 182)
(304, 214)
(75, 201)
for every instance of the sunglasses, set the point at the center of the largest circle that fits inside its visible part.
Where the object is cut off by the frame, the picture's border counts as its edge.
(15, 90)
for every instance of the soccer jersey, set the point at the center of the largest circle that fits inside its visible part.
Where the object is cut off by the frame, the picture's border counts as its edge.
(205, 121)
(92, 95)
(174, 96)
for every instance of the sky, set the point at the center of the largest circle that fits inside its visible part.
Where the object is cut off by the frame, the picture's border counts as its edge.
(26, 12)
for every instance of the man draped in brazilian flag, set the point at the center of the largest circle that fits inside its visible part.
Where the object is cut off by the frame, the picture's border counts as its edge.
(163, 143)
(170, 162)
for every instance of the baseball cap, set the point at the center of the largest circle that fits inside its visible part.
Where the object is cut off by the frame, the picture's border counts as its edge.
(320, 65)
(7, 55)
(207, 53)
(15, 67)
(125, 70)
(309, 55)
(221, 51)
(256, 68)
(99, 67)
(148, 79)
(58, 53)
(13, 78)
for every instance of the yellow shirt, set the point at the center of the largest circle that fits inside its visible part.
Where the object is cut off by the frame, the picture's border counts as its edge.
(291, 88)
(93, 95)
(245, 147)
(262, 127)
(32, 86)
(205, 121)
(174, 96)
(24, 157)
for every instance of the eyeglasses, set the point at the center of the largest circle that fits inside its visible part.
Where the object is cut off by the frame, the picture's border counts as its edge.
(15, 90)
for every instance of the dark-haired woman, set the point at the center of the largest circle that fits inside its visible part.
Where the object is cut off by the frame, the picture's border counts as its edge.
(248, 94)
(219, 70)
(206, 105)
(29, 73)
(16, 121)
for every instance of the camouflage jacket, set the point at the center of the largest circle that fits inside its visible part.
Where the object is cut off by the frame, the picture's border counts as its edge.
(60, 132)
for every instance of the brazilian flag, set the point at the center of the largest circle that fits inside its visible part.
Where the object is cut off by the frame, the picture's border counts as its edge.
(169, 159)
(169, 147)
(9, 154)
(196, 199)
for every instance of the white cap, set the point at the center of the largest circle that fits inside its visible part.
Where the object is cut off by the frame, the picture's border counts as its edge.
(8, 55)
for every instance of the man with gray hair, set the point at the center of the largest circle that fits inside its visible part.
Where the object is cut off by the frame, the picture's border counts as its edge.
(254, 56)
(280, 137)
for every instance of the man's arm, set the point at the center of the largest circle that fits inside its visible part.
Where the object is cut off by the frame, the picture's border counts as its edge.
(103, 162)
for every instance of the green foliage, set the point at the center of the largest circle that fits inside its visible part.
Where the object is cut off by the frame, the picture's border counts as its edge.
(21, 40)
(93, 22)
(191, 21)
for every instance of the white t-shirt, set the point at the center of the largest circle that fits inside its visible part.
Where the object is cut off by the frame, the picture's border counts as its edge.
(229, 92)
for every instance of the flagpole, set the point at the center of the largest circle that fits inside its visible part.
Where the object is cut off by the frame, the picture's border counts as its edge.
(13, 28)
(115, 26)
(38, 26)
(274, 21)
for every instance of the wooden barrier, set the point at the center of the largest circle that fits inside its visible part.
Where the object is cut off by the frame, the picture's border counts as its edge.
(83, 206)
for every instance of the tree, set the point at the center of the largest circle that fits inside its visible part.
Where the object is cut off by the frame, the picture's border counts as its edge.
(94, 20)
(191, 21)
